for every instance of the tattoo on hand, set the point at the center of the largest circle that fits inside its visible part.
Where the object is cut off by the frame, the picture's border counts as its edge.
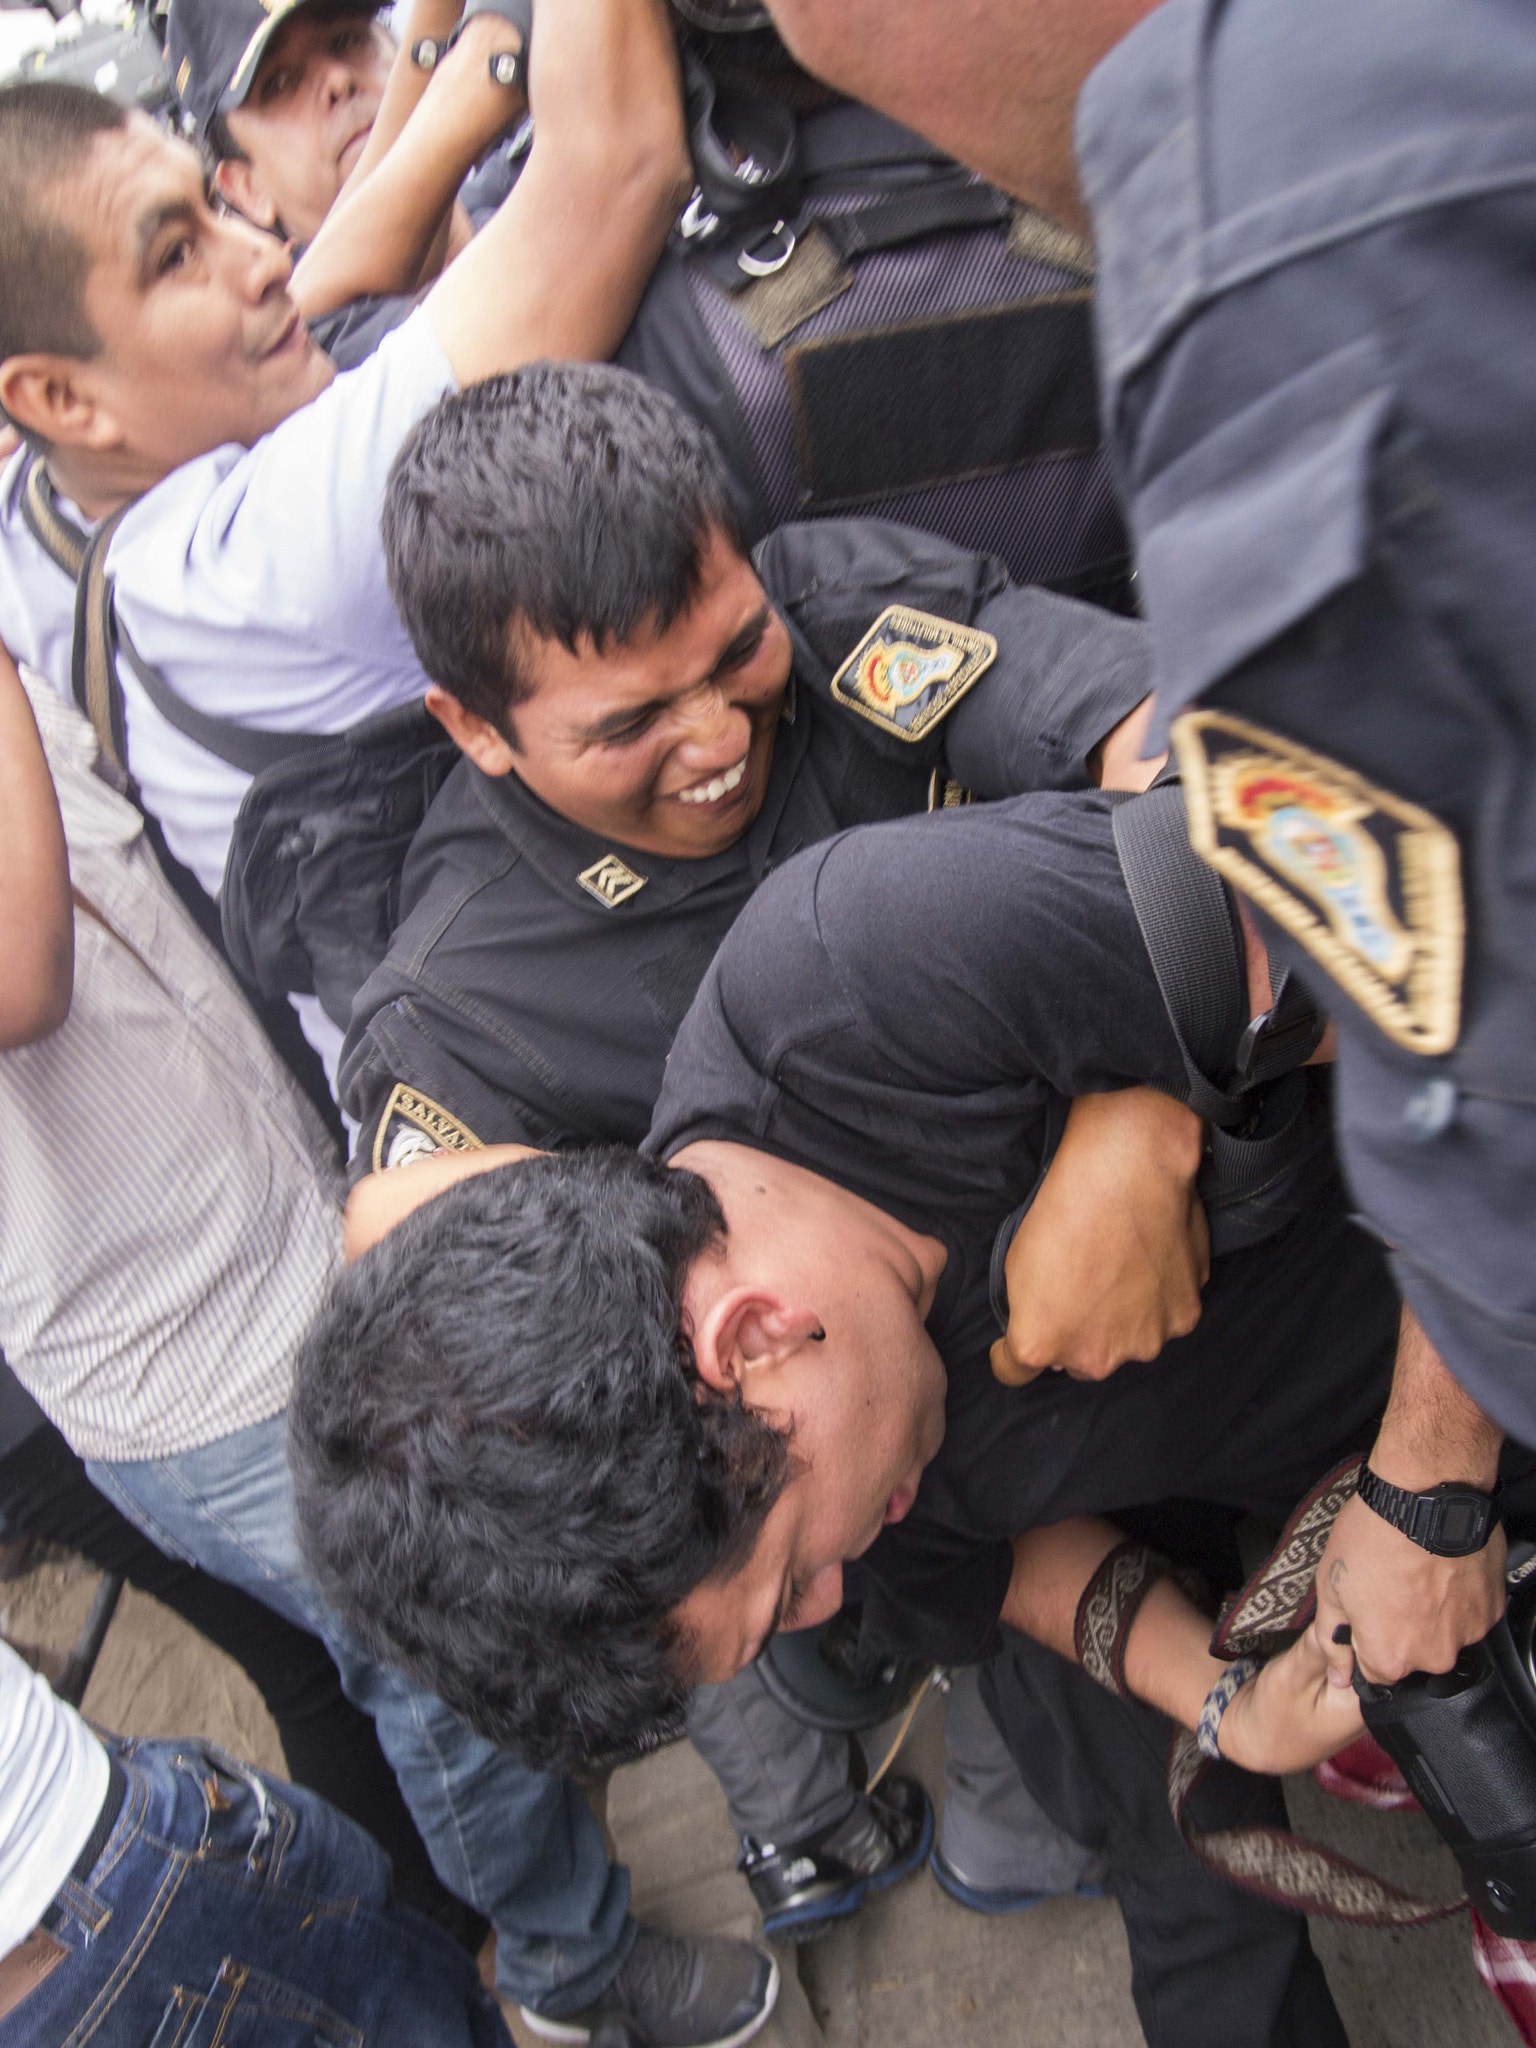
(1336, 1571)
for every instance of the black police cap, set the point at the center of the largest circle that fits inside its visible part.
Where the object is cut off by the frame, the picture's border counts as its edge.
(214, 48)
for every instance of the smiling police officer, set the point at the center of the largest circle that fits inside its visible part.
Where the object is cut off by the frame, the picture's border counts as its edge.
(651, 722)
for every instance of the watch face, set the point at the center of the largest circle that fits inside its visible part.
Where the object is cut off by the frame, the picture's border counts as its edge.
(1461, 1523)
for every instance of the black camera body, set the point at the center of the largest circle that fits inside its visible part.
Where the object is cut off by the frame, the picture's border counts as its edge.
(1465, 1740)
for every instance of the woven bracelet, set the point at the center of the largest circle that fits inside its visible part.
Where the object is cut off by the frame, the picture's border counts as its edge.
(1111, 1602)
(1219, 1698)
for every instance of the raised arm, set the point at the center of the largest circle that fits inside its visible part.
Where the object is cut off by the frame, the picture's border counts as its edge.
(37, 924)
(560, 269)
(383, 230)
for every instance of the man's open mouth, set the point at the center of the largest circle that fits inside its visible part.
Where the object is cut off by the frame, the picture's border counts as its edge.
(718, 788)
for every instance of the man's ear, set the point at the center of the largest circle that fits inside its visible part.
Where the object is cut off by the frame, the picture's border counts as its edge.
(240, 186)
(747, 1334)
(472, 735)
(50, 396)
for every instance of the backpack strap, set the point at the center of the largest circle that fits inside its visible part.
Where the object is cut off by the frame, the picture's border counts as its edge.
(99, 638)
(58, 536)
(1195, 942)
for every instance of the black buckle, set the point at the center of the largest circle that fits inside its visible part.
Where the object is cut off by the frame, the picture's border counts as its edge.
(1285, 1036)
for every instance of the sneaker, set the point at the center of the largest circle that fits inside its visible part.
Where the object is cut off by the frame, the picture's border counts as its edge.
(699, 1991)
(979, 1899)
(803, 1887)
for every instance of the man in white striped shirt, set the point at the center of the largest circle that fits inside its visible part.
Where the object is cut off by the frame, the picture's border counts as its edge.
(177, 1224)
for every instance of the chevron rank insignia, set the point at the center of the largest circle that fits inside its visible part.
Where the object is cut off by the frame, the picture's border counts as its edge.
(610, 881)
(911, 669)
(413, 1127)
(1369, 883)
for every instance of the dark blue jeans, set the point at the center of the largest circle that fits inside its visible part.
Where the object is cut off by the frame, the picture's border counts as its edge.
(228, 1908)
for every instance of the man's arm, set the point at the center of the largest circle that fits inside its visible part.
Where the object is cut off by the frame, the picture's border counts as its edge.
(379, 235)
(1109, 1261)
(1287, 1719)
(37, 923)
(1405, 1609)
(559, 271)
(382, 1200)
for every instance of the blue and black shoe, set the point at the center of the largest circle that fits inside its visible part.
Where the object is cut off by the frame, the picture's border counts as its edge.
(982, 1899)
(803, 1888)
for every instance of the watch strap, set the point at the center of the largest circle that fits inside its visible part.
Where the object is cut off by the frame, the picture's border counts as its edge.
(1448, 1521)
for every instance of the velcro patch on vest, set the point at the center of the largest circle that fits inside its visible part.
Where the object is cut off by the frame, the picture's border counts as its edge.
(413, 1127)
(1369, 883)
(911, 669)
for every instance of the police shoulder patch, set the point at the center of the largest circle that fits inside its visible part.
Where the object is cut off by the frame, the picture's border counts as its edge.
(413, 1127)
(911, 669)
(1369, 883)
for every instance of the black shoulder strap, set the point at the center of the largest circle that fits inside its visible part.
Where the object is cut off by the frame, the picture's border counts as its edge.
(1195, 941)
(100, 636)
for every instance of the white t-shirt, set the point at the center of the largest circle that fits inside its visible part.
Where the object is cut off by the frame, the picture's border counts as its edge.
(254, 579)
(53, 1779)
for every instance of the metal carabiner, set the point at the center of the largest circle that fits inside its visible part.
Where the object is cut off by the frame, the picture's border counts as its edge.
(765, 266)
(695, 221)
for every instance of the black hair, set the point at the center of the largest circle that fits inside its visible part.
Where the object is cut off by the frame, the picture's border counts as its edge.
(507, 1469)
(47, 129)
(566, 500)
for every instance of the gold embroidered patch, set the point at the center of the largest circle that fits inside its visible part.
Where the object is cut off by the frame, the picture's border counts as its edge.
(945, 794)
(1369, 883)
(610, 881)
(911, 669)
(413, 1127)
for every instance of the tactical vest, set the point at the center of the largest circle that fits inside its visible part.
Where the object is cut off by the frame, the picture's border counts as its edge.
(867, 328)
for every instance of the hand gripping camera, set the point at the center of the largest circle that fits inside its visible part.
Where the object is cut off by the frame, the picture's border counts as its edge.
(1465, 1740)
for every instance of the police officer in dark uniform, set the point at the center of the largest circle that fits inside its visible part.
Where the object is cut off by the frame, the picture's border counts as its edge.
(542, 963)
(652, 723)
(1313, 229)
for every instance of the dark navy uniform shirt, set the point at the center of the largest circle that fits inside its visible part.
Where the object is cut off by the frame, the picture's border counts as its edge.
(907, 1010)
(538, 972)
(1316, 227)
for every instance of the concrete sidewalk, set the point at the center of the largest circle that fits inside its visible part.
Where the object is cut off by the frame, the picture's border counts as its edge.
(912, 1970)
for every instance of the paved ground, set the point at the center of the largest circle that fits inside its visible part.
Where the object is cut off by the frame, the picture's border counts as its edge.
(913, 1970)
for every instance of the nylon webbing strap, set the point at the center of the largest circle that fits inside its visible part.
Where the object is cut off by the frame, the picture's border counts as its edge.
(93, 658)
(246, 747)
(1277, 1602)
(99, 638)
(938, 207)
(1194, 941)
(59, 538)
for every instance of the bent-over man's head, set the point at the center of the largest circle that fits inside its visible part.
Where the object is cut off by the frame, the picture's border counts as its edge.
(564, 550)
(582, 1432)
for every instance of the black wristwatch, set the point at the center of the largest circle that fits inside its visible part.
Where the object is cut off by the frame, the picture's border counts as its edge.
(1448, 1521)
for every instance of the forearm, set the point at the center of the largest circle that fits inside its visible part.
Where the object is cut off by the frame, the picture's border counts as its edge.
(381, 1201)
(1433, 1431)
(559, 271)
(1167, 1663)
(37, 924)
(382, 233)
(406, 85)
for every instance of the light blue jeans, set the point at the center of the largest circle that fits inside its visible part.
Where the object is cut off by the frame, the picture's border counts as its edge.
(517, 1844)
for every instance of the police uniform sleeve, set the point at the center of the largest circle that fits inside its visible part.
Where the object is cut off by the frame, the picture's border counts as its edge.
(411, 1097)
(943, 663)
